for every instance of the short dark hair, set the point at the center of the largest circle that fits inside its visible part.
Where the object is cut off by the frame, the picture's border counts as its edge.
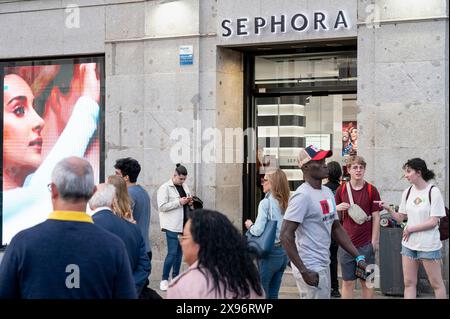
(128, 167)
(334, 171)
(419, 165)
(181, 170)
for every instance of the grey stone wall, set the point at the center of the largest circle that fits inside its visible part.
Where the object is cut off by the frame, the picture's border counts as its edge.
(403, 94)
(39, 28)
(151, 95)
(402, 83)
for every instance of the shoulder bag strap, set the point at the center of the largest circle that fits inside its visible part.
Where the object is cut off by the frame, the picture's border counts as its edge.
(369, 189)
(407, 194)
(429, 194)
(270, 208)
(343, 189)
(429, 198)
(350, 195)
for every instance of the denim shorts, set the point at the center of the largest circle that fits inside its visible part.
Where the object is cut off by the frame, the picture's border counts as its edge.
(417, 254)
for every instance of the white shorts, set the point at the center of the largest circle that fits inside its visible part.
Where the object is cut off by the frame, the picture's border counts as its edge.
(322, 291)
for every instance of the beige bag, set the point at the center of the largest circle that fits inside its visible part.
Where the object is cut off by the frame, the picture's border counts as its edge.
(355, 212)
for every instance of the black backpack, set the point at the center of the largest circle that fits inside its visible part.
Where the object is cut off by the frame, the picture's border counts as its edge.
(443, 222)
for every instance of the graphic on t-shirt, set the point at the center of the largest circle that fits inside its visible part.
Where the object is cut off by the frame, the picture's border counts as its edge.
(328, 210)
(418, 201)
(325, 207)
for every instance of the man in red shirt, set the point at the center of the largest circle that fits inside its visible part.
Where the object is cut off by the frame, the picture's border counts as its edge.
(364, 236)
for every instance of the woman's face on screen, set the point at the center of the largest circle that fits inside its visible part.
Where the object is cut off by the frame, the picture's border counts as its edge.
(22, 140)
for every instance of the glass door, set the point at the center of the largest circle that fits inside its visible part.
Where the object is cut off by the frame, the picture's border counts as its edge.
(280, 123)
(294, 101)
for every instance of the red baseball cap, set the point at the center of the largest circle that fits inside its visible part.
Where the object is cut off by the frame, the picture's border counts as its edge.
(311, 153)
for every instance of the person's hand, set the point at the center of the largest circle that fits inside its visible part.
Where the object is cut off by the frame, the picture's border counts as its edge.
(360, 271)
(342, 206)
(59, 106)
(382, 204)
(406, 233)
(90, 85)
(184, 200)
(376, 246)
(248, 223)
(311, 277)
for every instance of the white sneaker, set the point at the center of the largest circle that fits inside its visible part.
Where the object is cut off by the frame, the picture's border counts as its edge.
(163, 285)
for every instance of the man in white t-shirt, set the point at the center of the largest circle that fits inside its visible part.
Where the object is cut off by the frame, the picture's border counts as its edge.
(309, 222)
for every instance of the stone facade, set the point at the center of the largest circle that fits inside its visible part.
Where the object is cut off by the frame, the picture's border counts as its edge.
(402, 81)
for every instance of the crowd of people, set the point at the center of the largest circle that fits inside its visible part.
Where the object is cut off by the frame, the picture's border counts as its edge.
(102, 232)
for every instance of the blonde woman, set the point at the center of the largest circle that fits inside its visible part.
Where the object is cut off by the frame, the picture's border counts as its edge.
(122, 201)
(272, 207)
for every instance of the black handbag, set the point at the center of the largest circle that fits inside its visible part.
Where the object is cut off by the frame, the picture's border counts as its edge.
(263, 244)
(197, 202)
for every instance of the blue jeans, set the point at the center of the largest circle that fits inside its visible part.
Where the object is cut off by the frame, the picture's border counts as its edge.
(271, 269)
(174, 255)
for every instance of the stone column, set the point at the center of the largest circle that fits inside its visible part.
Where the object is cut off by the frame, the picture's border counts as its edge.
(403, 91)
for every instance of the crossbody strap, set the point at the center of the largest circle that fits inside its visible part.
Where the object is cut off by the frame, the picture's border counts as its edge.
(350, 195)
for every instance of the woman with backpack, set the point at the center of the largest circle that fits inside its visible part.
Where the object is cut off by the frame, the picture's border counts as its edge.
(422, 204)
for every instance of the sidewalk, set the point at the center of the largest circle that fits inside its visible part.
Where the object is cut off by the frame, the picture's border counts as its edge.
(289, 290)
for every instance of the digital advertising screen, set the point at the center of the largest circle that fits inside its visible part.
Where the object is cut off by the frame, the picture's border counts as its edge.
(52, 109)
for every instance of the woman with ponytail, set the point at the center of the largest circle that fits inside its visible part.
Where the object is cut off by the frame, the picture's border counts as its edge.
(422, 204)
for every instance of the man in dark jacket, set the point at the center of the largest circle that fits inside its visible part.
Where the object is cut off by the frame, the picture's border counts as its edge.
(67, 256)
(101, 203)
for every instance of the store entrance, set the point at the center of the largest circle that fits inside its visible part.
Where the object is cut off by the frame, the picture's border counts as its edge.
(294, 100)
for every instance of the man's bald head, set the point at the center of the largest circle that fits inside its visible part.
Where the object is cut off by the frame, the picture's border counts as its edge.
(74, 179)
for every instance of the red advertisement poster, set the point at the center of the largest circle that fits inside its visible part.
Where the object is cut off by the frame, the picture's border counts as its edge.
(349, 138)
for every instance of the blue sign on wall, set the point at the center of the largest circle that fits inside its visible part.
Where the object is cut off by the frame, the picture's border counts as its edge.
(186, 55)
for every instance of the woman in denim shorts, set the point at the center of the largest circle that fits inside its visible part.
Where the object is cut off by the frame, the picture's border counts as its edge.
(423, 205)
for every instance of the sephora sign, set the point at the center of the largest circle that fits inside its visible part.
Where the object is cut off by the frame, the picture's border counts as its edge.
(299, 22)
